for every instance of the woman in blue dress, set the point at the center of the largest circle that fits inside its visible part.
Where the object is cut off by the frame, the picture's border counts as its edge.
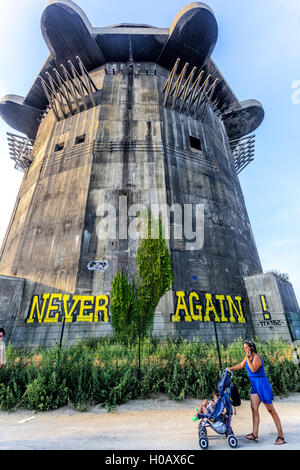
(261, 391)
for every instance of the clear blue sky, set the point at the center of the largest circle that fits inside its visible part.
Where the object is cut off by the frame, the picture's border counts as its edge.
(258, 52)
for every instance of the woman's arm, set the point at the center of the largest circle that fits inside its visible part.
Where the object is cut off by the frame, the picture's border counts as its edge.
(255, 364)
(238, 366)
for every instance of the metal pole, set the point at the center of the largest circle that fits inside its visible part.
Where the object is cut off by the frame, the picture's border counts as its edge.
(218, 348)
(62, 332)
(139, 347)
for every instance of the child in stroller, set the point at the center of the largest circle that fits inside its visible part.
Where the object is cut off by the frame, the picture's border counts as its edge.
(206, 405)
(218, 414)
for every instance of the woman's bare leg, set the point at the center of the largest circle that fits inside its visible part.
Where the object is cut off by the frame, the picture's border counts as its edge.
(255, 402)
(276, 420)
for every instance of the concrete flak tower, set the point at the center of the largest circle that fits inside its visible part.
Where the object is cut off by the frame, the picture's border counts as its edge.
(120, 120)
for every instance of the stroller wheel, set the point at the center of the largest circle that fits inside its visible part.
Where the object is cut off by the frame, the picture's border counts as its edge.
(203, 442)
(203, 432)
(232, 441)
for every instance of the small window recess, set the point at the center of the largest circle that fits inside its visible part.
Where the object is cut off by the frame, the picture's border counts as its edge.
(80, 139)
(195, 144)
(59, 147)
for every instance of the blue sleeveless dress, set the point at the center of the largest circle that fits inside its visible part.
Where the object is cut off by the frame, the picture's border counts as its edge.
(260, 383)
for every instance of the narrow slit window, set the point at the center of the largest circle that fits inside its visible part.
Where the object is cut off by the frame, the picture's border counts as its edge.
(59, 147)
(80, 139)
(195, 144)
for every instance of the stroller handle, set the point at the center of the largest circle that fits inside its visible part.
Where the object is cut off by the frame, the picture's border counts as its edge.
(228, 372)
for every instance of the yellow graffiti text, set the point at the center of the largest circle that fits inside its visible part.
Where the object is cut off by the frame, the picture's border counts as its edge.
(195, 306)
(54, 308)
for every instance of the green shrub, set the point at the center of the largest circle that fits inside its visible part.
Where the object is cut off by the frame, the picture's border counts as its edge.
(106, 372)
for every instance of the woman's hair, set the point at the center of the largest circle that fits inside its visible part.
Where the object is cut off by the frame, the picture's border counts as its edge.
(2, 331)
(251, 345)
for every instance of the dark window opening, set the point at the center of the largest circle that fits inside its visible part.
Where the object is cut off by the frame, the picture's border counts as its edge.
(195, 144)
(59, 147)
(80, 139)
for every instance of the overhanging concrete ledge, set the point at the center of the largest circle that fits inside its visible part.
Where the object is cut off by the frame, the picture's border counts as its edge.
(19, 115)
(246, 119)
(68, 33)
(193, 36)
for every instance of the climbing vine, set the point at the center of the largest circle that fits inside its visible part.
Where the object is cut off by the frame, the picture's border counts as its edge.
(133, 303)
(123, 307)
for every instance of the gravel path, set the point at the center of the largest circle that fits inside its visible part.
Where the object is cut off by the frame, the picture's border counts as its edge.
(153, 424)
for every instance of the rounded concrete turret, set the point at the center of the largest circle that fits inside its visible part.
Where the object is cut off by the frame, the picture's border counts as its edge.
(192, 36)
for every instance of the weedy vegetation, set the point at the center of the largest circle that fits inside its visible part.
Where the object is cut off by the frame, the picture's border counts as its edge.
(106, 372)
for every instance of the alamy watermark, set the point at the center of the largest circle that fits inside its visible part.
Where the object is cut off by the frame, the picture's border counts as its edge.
(180, 222)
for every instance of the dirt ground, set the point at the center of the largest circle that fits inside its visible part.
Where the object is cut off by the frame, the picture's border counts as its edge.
(153, 424)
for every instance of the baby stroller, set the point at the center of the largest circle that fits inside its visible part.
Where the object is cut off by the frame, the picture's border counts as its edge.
(219, 416)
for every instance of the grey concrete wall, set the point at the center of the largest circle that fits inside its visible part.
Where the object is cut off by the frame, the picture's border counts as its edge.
(15, 300)
(290, 307)
(128, 162)
(208, 177)
(281, 300)
(43, 239)
(11, 294)
(141, 150)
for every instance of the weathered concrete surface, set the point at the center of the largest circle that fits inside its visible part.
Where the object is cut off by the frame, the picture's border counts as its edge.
(43, 240)
(143, 425)
(11, 294)
(128, 163)
(138, 149)
(208, 177)
(15, 300)
(284, 318)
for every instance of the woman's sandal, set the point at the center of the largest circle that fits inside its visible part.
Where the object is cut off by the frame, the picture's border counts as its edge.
(278, 443)
(251, 437)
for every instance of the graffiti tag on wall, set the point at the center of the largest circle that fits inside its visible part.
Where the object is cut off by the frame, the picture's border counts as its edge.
(196, 306)
(265, 307)
(192, 306)
(97, 266)
(267, 315)
(53, 308)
